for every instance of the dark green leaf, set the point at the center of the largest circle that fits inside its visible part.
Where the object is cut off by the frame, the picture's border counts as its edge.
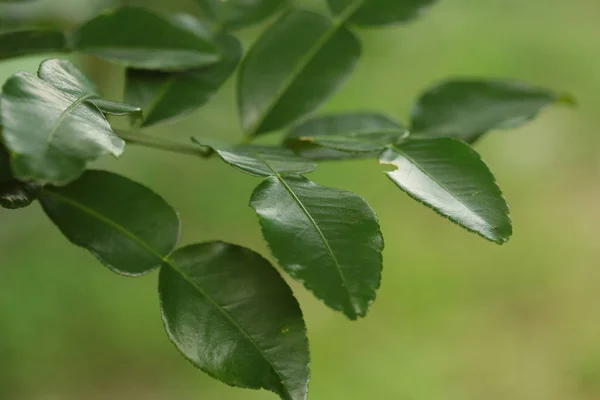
(140, 38)
(52, 134)
(168, 96)
(125, 225)
(66, 77)
(292, 69)
(467, 109)
(344, 136)
(328, 239)
(240, 13)
(13, 193)
(230, 313)
(450, 177)
(259, 160)
(28, 42)
(380, 12)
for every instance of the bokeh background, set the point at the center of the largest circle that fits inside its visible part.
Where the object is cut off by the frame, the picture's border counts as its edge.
(457, 318)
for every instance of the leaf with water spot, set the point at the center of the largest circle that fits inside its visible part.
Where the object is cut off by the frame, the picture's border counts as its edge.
(232, 315)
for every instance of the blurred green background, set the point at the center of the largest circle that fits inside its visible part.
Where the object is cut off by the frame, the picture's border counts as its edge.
(456, 317)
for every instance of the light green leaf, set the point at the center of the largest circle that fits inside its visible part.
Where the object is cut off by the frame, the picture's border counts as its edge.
(240, 13)
(297, 64)
(230, 313)
(165, 97)
(328, 239)
(450, 177)
(29, 42)
(52, 134)
(466, 109)
(123, 36)
(125, 225)
(344, 136)
(66, 77)
(259, 160)
(380, 12)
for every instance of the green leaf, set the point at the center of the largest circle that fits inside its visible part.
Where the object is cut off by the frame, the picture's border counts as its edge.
(328, 239)
(344, 136)
(29, 42)
(66, 77)
(52, 134)
(259, 160)
(466, 109)
(140, 38)
(230, 313)
(297, 64)
(168, 96)
(380, 12)
(125, 225)
(450, 177)
(13, 193)
(240, 13)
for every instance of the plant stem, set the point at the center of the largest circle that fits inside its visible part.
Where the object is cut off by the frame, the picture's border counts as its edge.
(162, 144)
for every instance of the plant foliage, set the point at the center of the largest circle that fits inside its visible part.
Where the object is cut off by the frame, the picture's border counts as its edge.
(225, 307)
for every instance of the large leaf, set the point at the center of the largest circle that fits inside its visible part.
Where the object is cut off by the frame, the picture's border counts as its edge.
(52, 134)
(140, 38)
(328, 239)
(13, 193)
(231, 314)
(28, 42)
(240, 13)
(379, 12)
(66, 77)
(292, 69)
(450, 177)
(168, 96)
(466, 109)
(259, 160)
(344, 136)
(125, 225)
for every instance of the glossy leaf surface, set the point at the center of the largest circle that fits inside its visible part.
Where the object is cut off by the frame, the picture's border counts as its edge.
(380, 12)
(125, 225)
(52, 134)
(168, 96)
(29, 42)
(466, 110)
(450, 177)
(13, 193)
(260, 160)
(230, 313)
(328, 239)
(240, 13)
(140, 38)
(344, 136)
(67, 78)
(292, 69)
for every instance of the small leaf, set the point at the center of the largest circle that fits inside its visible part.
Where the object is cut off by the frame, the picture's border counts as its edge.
(140, 38)
(297, 64)
(29, 42)
(52, 134)
(259, 160)
(125, 225)
(168, 96)
(66, 77)
(328, 239)
(13, 193)
(380, 12)
(344, 136)
(450, 177)
(230, 313)
(240, 13)
(466, 110)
